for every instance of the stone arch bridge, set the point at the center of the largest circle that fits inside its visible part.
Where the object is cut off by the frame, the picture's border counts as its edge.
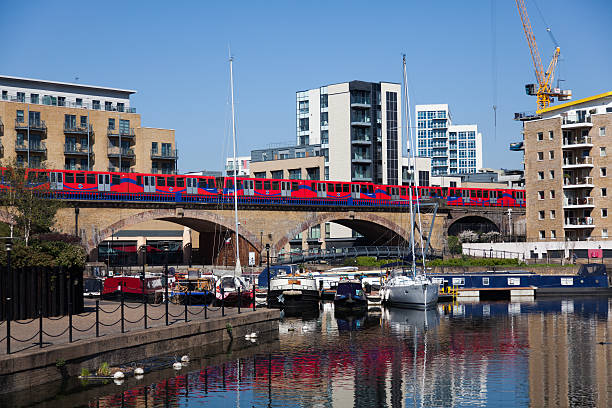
(273, 225)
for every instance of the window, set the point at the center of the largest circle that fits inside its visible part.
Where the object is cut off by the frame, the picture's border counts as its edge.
(20, 96)
(551, 174)
(80, 178)
(161, 181)
(324, 119)
(108, 105)
(603, 172)
(295, 174)
(79, 102)
(115, 179)
(4, 95)
(91, 179)
(551, 154)
(604, 192)
(34, 98)
(604, 212)
(602, 151)
(540, 175)
(542, 234)
(170, 181)
(602, 131)
(553, 234)
(540, 155)
(324, 101)
(260, 174)
(552, 194)
(551, 135)
(154, 147)
(324, 136)
(84, 121)
(604, 233)
(258, 184)
(20, 116)
(120, 107)
(541, 215)
(111, 124)
(277, 174)
(61, 101)
(540, 195)
(303, 126)
(124, 126)
(540, 136)
(552, 214)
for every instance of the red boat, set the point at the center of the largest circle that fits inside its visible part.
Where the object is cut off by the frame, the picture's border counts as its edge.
(231, 285)
(131, 286)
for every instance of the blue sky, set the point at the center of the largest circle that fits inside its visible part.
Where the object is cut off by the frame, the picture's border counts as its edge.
(175, 55)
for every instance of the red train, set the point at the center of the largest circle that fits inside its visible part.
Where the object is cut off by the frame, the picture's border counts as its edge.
(93, 185)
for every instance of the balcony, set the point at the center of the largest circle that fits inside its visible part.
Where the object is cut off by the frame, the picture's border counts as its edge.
(364, 140)
(577, 142)
(35, 147)
(361, 158)
(584, 202)
(1, 127)
(78, 129)
(115, 151)
(122, 170)
(578, 182)
(77, 149)
(576, 121)
(77, 167)
(579, 222)
(171, 154)
(33, 125)
(361, 120)
(162, 171)
(577, 162)
(124, 133)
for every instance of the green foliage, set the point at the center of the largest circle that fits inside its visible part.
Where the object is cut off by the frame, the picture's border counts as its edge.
(368, 261)
(464, 261)
(60, 363)
(104, 370)
(45, 254)
(454, 245)
(85, 372)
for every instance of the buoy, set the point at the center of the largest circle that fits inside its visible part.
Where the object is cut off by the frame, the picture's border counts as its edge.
(118, 375)
(138, 371)
(177, 366)
(253, 340)
(247, 336)
(185, 358)
(139, 376)
(304, 328)
(254, 335)
(118, 381)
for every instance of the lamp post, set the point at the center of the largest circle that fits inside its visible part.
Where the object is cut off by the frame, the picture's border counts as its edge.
(268, 262)
(535, 251)
(76, 221)
(9, 300)
(166, 279)
(143, 255)
(601, 253)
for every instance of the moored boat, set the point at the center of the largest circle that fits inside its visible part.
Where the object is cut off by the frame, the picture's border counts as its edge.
(196, 291)
(294, 294)
(131, 287)
(350, 297)
(232, 290)
(416, 291)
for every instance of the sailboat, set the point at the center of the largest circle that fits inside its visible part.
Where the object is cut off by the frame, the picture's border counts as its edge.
(231, 285)
(415, 290)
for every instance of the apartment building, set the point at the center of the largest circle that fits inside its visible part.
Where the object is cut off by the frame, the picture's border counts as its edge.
(358, 125)
(79, 127)
(242, 164)
(453, 149)
(303, 162)
(568, 185)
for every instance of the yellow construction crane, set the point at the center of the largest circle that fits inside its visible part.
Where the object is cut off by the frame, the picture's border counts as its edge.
(543, 89)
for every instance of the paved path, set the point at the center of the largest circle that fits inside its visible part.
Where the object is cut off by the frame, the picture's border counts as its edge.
(25, 333)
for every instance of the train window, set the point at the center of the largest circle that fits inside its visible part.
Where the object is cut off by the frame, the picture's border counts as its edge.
(258, 185)
(170, 181)
(473, 193)
(266, 185)
(229, 183)
(370, 189)
(161, 181)
(345, 188)
(294, 186)
(211, 183)
(479, 194)
(433, 192)
(239, 184)
(80, 178)
(404, 191)
(330, 188)
(115, 180)
(338, 188)
(139, 180)
(485, 194)
(275, 185)
(69, 178)
(180, 182)
(202, 183)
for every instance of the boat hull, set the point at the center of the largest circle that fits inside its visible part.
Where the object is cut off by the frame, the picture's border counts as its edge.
(351, 304)
(294, 300)
(415, 296)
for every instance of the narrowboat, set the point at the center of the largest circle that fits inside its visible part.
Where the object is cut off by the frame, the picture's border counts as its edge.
(233, 290)
(131, 287)
(294, 294)
(350, 297)
(198, 291)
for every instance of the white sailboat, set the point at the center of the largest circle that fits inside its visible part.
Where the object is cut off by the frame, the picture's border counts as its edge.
(414, 290)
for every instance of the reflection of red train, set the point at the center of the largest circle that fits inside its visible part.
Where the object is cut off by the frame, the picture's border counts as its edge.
(93, 185)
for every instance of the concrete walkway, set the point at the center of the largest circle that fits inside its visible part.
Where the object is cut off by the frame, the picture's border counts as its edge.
(25, 333)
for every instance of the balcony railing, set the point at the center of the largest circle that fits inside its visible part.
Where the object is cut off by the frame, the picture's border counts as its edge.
(76, 167)
(36, 147)
(55, 101)
(579, 161)
(575, 119)
(579, 221)
(361, 120)
(122, 170)
(362, 157)
(162, 171)
(577, 181)
(73, 148)
(38, 125)
(582, 140)
(171, 154)
(80, 129)
(578, 201)
(115, 151)
(361, 139)
(127, 133)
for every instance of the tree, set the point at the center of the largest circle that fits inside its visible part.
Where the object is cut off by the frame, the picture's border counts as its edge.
(26, 201)
(454, 245)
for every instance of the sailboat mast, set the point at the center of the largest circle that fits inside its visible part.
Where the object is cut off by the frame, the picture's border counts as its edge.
(237, 268)
(411, 180)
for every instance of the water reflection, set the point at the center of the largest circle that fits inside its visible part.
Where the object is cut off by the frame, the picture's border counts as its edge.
(538, 353)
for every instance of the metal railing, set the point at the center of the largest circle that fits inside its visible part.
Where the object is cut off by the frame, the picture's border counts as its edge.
(72, 148)
(578, 201)
(577, 181)
(81, 129)
(167, 154)
(574, 119)
(116, 151)
(55, 101)
(39, 125)
(389, 252)
(24, 146)
(578, 161)
(76, 167)
(581, 140)
(128, 133)
(579, 221)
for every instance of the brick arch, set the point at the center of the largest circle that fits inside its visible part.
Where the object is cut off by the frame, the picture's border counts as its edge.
(185, 218)
(321, 218)
(474, 217)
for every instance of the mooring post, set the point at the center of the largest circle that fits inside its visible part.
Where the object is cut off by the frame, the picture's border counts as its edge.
(97, 318)
(122, 311)
(239, 299)
(40, 328)
(186, 300)
(69, 308)
(254, 306)
(222, 301)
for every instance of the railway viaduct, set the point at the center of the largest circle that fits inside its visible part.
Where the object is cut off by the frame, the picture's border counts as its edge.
(277, 225)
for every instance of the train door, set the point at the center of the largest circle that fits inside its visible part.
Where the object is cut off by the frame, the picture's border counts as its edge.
(355, 190)
(192, 185)
(103, 182)
(321, 190)
(148, 184)
(285, 189)
(394, 193)
(57, 181)
(248, 188)
(466, 196)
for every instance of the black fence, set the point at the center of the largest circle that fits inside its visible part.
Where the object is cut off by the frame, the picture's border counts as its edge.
(37, 291)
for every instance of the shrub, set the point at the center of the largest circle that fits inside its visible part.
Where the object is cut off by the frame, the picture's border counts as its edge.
(491, 236)
(468, 236)
(454, 245)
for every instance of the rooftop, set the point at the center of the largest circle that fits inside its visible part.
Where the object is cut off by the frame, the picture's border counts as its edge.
(576, 102)
(39, 82)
